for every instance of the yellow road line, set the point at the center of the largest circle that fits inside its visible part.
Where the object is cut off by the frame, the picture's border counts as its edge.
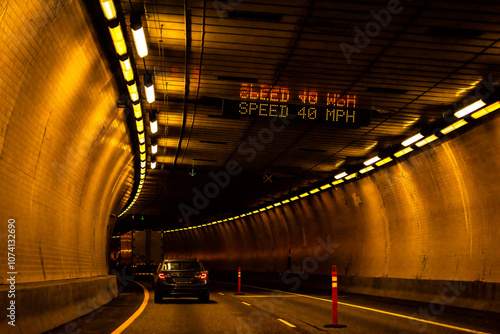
(287, 323)
(373, 310)
(136, 313)
(265, 296)
(246, 304)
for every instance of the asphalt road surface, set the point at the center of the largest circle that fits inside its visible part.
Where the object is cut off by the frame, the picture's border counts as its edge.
(262, 310)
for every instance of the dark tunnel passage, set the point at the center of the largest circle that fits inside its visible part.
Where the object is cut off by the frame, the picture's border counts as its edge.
(74, 170)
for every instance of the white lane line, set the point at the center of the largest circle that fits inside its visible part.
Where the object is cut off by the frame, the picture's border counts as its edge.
(287, 323)
(136, 313)
(246, 304)
(373, 310)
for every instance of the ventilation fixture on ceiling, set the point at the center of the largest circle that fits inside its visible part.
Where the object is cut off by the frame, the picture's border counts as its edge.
(454, 32)
(237, 79)
(312, 150)
(238, 14)
(213, 142)
(386, 90)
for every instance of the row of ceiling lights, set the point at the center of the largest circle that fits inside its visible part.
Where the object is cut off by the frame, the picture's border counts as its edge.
(116, 32)
(475, 110)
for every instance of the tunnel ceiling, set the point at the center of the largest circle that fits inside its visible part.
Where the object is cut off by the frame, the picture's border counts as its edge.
(406, 63)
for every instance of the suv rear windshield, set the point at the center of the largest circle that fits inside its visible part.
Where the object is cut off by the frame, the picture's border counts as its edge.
(182, 265)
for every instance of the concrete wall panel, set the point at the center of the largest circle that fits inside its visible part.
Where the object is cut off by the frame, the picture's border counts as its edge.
(432, 217)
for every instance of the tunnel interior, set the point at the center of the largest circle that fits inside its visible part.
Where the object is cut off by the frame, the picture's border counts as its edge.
(265, 193)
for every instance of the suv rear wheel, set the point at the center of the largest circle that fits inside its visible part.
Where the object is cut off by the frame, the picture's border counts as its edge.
(204, 297)
(158, 297)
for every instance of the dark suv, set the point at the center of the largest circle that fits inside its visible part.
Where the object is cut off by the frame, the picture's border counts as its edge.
(181, 278)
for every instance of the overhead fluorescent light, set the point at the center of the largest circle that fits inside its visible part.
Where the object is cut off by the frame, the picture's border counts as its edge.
(294, 198)
(132, 89)
(285, 201)
(153, 162)
(371, 161)
(426, 140)
(486, 110)
(313, 191)
(326, 186)
(128, 72)
(149, 87)
(115, 30)
(412, 140)
(304, 195)
(139, 124)
(470, 108)
(142, 138)
(138, 33)
(137, 109)
(353, 175)
(269, 207)
(337, 182)
(341, 175)
(454, 126)
(367, 169)
(383, 161)
(109, 9)
(403, 152)
(142, 147)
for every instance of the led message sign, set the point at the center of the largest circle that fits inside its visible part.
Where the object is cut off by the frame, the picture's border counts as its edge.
(259, 100)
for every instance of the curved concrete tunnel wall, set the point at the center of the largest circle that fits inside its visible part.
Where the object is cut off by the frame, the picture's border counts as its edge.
(65, 156)
(424, 225)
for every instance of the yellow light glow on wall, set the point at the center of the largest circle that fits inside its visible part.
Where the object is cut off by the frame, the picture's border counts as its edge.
(454, 126)
(486, 110)
(115, 30)
(108, 8)
(383, 161)
(353, 175)
(132, 90)
(367, 169)
(137, 109)
(470, 108)
(128, 73)
(426, 141)
(139, 124)
(142, 137)
(403, 152)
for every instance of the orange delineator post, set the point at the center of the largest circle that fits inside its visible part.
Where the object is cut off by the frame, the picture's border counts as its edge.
(239, 280)
(334, 296)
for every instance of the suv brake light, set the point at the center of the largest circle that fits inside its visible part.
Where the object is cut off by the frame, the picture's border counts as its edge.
(163, 275)
(203, 275)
